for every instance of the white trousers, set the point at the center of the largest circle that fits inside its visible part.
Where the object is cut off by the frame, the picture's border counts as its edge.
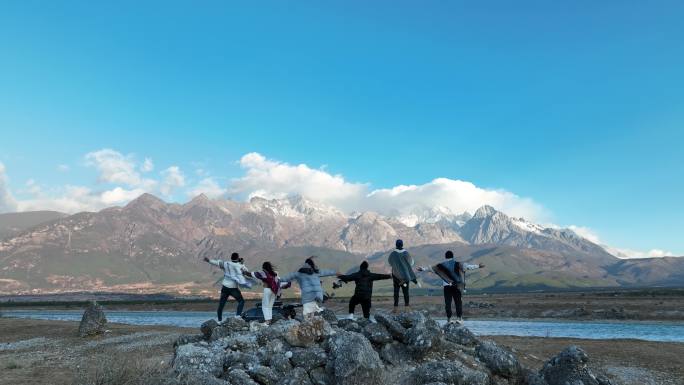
(267, 302)
(311, 308)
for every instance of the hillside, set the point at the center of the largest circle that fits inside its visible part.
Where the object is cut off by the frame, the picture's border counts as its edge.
(151, 245)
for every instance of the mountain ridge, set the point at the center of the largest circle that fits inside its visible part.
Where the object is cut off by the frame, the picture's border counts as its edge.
(150, 242)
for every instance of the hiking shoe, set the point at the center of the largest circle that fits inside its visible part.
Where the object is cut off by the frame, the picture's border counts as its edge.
(459, 321)
(350, 316)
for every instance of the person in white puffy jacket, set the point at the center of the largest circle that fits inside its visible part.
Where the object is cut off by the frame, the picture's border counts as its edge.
(233, 277)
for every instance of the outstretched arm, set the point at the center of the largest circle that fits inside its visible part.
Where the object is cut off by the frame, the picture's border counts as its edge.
(377, 277)
(467, 266)
(327, 273)
(348, 278)
(215, 262)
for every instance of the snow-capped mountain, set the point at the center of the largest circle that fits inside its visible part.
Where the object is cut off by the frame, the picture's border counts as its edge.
(149, 241)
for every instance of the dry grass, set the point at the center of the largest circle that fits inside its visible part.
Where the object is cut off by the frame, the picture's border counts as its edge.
(123, 369)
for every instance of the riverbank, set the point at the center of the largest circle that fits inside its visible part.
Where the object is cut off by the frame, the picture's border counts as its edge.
(49, 352)
(637, 305)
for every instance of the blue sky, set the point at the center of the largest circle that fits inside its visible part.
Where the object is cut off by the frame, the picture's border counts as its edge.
(577, 108)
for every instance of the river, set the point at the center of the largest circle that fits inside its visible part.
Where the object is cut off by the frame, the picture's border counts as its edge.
(649, 331)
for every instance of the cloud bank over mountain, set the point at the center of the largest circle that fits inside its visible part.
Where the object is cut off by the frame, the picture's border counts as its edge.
(123, 177)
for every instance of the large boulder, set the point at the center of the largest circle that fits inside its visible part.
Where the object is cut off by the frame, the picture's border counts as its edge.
(459, 334)
(240, 377)
(93, 321)
(423, 336)
(207, 327)
(393, 326)
(569, 367)
(199, 358)
(447, 372)
(280, 363)
(309, 358)
(309, 332)
(353, 358)
(240, 360)
(297, 376)
(263, 375)
(276, 331)
(499, 360)
(395, 353)
(377, 334)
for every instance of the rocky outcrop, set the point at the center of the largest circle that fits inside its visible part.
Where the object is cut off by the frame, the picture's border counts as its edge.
(93, 321)
(570, 367)
(407, 349)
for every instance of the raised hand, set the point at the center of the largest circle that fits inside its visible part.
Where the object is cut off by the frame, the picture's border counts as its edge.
(482, 265)
(206, 259)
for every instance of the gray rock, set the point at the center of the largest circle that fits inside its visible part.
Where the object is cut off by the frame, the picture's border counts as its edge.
(309, 332)
(447, 372)
(199, 378)
(235, 324)
(93, 321)
(423, 336)
(531, 377)
(280, 363)
(569, 367)
(275, 332)
(412, 319)
(238, 341)
(352, 357)
(240, 377)
(297, 376)
(263, 375)
(393, 326)
(187, 339)
(395, 353)
(207, 327)
(328, 315)
(349, 325)
(240, 360)
(199, 359)
(459, 334)
(499, 360)
(377, 334)
(309, 358)
(318, 376)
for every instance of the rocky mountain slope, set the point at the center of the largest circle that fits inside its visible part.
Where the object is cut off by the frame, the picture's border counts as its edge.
(13, 223)
(151, 245)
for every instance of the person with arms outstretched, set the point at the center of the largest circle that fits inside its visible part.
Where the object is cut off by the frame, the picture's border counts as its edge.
(272, 289)
(452, 274)
(233, 277)
(309, 279)
(402, 273)
(363, 292)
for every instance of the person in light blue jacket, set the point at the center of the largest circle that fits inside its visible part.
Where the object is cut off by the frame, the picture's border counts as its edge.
(309, 279)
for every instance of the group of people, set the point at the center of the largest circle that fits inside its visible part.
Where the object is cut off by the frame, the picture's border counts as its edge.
(308, 277)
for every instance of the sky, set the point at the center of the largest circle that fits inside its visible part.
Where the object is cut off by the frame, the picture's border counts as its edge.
(565, 113)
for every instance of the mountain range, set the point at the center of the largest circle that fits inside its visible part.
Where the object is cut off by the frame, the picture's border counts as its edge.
(150, 246)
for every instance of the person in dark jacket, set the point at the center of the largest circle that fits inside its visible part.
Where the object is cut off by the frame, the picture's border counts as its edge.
(363, 292)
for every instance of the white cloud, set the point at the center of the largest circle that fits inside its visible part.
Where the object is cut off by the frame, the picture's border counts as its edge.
(119, 195)
(114, 167)
(173, 178)
(71, 199)
(147, 165)
(207, 186)
(592, 236)
(7, 202)
(455, 195)
(62, 167)
(586, 233)
(272, 179)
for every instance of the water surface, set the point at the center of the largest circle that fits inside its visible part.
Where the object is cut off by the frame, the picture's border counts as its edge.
(650, 331)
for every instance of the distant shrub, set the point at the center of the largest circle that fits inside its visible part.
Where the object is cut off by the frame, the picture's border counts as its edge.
(12, 365)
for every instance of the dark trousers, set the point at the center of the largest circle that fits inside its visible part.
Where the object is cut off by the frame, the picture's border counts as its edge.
(452, 292)
(365, 305)
(404, 289)
(232, 292)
